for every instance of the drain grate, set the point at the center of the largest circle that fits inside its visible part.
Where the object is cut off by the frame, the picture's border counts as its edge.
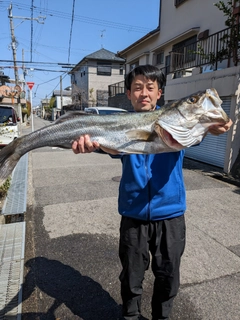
(12, 242)
(16, 200)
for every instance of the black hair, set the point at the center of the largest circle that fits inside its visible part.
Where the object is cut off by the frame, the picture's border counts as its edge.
(148, 71)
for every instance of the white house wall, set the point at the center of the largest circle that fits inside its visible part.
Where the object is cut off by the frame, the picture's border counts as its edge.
(65, 101)
(190, 14)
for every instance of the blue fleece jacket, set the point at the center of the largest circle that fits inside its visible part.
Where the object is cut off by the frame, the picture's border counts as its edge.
(152, 186)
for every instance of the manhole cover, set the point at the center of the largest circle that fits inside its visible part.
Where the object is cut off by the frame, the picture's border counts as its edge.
(116, 179)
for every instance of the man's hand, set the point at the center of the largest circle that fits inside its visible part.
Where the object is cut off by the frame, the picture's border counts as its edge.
(219, 129)
(84, 145)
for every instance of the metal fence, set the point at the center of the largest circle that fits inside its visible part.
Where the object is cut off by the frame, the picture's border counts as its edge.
(116, 89)
(219, 50)
(212, 50)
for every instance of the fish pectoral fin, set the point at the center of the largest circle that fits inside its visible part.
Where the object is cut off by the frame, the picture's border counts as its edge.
(141, 135)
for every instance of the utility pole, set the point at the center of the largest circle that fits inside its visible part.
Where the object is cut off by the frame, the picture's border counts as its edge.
(61, 95)
(14, 48)
(13, 44)
(24, 72)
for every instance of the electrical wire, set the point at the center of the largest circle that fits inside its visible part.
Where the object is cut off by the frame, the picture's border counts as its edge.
(56, 86)
(45, 83)
(70, 38)
(89, 20)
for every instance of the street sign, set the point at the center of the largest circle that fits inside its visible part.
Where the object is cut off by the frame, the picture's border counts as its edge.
(30, 85)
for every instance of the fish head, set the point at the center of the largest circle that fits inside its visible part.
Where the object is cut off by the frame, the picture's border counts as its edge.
(202, 106)
(185, 122)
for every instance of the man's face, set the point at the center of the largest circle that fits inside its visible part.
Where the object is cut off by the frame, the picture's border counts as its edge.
(144, 94)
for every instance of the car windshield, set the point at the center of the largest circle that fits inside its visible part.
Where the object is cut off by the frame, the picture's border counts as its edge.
(109, 111)
(5, 114)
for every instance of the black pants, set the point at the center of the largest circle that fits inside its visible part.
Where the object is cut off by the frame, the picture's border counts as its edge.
(165, 240)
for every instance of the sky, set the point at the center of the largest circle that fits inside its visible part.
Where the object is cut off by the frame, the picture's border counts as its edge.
(64, 32)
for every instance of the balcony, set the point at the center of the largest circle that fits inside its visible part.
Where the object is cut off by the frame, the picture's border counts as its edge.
(218, 51)
(116, 89)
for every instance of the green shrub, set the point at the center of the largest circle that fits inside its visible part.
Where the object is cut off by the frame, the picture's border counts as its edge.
(4, 188)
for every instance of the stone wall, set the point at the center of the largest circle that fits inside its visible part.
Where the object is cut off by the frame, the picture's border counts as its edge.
(102, 98)
(120, 101)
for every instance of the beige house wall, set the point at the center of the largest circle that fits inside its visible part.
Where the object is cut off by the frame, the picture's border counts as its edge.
(87, 79)
(176, 24)
(191, 14)
(141, 53)
(100, 82)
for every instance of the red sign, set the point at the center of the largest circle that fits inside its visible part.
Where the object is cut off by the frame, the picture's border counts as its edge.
(30, 85)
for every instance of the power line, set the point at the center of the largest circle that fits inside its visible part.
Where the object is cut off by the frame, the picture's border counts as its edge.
(63, 64)
(70, 38)
(34, 63)
(56, 86)
(45, 83)
(33, 69)
(84, 19)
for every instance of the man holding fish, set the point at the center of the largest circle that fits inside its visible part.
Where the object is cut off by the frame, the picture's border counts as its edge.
(152, 202)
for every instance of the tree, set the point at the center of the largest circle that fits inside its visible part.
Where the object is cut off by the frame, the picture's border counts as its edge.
(231, 40)
(228, 44)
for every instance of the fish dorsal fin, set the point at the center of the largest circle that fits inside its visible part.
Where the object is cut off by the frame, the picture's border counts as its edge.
(70, 115)
(141, 135)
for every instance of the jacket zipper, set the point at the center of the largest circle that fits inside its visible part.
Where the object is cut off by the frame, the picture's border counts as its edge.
(148, 186)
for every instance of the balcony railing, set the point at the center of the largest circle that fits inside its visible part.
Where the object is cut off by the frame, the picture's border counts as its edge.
(220, 50)
(219, 47)
(116, 89)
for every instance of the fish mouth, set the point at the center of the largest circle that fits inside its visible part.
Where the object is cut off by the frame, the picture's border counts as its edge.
(168, 138)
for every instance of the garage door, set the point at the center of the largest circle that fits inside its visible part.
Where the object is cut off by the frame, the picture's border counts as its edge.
(213, 148)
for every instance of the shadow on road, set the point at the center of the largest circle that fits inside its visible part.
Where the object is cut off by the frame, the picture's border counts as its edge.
(84, 297)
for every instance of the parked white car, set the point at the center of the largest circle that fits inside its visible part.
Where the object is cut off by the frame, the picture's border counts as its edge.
(9, 125)
(103, 110)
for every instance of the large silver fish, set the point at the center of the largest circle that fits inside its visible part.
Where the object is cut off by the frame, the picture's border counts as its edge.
(173, 127)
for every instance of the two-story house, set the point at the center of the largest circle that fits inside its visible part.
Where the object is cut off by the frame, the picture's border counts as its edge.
(196, 50)
(92, 75)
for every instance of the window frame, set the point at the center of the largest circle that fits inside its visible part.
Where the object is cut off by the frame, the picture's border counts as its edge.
(178, 2)
(160, 57)
(103, 65)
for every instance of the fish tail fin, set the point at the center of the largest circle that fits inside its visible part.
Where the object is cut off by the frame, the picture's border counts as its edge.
(9, 157)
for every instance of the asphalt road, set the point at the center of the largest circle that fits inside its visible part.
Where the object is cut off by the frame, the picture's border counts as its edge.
(71, 260)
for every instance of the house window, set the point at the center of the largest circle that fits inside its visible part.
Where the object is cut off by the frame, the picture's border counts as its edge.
(167, 64)
(134, 65)
(160, 58)
(178, 2)
(104, 69)
(187, 42)
(121, 70)
(185, 51)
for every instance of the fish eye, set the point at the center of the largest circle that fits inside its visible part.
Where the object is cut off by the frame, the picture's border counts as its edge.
(192, 100)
